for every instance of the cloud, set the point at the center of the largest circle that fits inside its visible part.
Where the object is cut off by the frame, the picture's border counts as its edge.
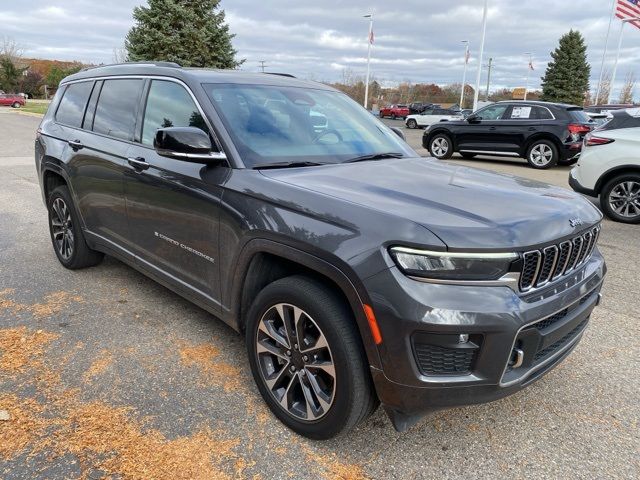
(416, 40)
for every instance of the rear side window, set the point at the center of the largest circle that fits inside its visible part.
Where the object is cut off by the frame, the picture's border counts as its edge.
(71, 109)
(169, 105)
(118, 107)
(541, 113)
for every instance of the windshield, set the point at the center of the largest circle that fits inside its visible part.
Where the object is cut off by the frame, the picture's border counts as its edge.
(275, 124)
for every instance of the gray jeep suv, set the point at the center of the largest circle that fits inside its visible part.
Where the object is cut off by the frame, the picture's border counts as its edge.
(358, 272)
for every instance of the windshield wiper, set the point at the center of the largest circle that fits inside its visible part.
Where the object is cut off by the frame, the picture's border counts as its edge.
(287, 165)
(375, 156)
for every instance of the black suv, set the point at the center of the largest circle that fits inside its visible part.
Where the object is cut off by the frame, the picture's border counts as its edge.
(543, 133)
(358, 272)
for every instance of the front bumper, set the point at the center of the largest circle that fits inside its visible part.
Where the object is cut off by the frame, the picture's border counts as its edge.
(495, 320)
(578, 187)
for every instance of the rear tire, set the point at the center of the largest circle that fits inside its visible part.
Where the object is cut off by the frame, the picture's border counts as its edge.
(412, 123)
(66, 233)
(16, 105)
(318, 403)
(542, 154)
(440, 147)
(620, 198)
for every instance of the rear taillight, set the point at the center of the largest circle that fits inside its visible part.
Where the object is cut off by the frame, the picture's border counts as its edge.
(592, 141)
(576, 128)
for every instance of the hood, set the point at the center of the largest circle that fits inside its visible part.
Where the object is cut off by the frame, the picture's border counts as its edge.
(466, 208)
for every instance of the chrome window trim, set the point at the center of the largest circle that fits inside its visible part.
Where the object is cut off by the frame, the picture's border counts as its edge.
(154, 77)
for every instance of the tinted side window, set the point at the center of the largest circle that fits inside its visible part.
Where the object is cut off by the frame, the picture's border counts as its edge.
(71, 109)
(542, 113)
(117, 108)
(169, 105)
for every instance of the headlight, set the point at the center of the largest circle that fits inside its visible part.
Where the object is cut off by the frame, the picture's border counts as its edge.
(452, 265)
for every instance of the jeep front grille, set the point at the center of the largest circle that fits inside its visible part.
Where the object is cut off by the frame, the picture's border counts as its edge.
(540, 267)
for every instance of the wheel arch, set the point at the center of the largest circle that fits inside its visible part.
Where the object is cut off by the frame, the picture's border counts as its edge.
(263, 261)
(541, 136)
(615, 172)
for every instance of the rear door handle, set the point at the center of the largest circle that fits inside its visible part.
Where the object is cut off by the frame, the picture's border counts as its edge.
(75, 144)
(138, 163)
(532, 129)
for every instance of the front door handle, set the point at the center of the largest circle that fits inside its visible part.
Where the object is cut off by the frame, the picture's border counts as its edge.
(492, 128)
(138, 163)
(532, 129)
(75, 144)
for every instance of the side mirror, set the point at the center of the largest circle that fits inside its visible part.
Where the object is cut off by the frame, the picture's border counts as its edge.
(473, 118)
(398, 132)
(189, 144)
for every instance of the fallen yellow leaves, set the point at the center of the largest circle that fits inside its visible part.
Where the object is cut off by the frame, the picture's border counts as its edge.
(99, 365)
(21, 347)
(53, 303)
(213, 371)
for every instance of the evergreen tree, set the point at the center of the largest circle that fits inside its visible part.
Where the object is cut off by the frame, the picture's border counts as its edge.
(192, 33)
(10, 74)
(567, 76)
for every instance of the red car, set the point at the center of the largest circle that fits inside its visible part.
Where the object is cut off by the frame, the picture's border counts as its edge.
(394, 111)
(16, 101)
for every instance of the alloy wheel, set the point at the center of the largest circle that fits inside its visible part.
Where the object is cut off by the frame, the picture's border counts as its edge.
(624, 199)
(541, 154)
(62, 228)
(295, 362)
(439, 146)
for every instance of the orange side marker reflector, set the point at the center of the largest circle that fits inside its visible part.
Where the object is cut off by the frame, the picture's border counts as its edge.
(373, 323)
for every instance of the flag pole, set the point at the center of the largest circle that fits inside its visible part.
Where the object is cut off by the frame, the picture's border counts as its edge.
(529, 66)
(604, 54)
(366, 86)
(484, 31)
(464, 73)
(615, 64)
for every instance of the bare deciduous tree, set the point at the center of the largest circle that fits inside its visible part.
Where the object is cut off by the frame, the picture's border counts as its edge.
(605, 88)
(120, 55)
(626, 94)
(11, 49)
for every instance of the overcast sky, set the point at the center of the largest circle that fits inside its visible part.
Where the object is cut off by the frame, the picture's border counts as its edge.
(416, 40)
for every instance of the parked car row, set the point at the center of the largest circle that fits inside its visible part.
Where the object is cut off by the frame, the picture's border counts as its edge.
(430, 116)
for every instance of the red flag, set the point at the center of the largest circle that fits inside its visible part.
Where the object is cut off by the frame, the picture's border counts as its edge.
(371, 37)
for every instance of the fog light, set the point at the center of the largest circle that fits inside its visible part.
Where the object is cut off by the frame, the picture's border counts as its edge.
(517, 357)
(463, 338)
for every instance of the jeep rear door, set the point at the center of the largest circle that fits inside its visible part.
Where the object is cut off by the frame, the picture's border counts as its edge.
(173, 205)
(96, 155)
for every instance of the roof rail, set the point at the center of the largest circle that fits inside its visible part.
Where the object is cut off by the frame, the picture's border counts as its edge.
(157, 64)
(280, 74)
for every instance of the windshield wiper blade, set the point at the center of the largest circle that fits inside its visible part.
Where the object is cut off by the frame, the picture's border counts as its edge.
(287, 165)
(375, 156)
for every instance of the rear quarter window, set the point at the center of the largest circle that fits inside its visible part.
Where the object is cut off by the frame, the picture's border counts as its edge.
(74, 100)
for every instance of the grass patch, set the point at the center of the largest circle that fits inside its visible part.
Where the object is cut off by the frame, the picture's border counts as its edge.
(40, 108)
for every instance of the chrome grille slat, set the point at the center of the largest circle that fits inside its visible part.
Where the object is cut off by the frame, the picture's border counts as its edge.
(540, 267)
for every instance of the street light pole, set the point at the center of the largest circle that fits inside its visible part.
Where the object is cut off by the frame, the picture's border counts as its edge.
(370, 41)
(464, 72)
(526, 85)
(615, 65)
(486, 95)
(484, 31)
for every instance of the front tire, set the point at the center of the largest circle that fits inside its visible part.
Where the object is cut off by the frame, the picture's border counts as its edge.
(620, 198)
(441, 147)
(542, 154)
(16, 105)
(307, 358)
(66, 233)
(412, 123)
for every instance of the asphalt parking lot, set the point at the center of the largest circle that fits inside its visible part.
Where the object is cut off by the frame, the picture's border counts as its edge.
(106, 374)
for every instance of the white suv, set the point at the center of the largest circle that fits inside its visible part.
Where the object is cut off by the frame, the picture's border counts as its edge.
(609, 166)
